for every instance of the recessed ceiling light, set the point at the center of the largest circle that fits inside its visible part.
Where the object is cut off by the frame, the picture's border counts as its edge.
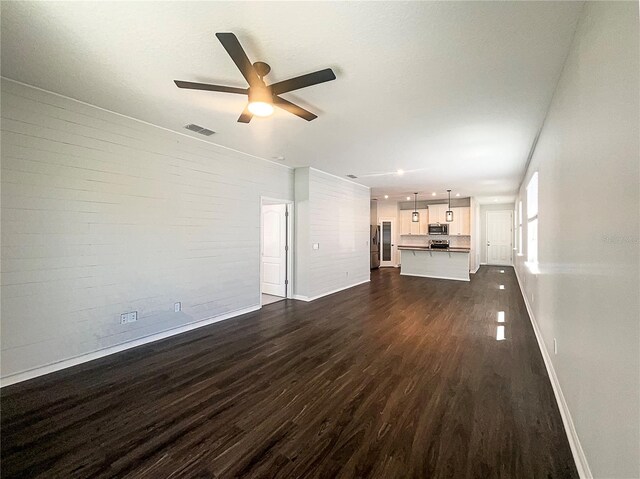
(433, 194)
(495, 199)
(457, 194)
(400, 172)
(386, 197)
(278, 158)
(408, 198)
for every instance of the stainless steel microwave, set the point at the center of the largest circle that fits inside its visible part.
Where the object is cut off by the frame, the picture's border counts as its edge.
(438, 229)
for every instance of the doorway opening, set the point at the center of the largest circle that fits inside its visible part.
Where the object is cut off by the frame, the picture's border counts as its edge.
(275, 250)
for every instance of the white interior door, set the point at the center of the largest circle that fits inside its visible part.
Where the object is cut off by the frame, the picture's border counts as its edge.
(387, 242)
(274, 265)
(499, 237)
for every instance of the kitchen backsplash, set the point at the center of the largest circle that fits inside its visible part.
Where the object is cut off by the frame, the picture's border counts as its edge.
(454, 241)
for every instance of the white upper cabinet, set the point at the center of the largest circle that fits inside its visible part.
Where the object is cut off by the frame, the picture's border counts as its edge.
(437, 213)
(408, 227)
(460, 226)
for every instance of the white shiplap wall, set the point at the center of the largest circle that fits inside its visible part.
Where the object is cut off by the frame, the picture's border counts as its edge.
(102, 214)
(334, 213)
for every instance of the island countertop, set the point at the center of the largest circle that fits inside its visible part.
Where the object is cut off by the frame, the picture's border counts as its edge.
(427, 248)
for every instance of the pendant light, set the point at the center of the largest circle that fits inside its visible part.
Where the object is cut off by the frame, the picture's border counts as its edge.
(415, 216)
(449, 212)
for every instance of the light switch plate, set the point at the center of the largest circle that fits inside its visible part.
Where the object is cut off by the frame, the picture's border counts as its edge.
(316, 245)
(129, 317)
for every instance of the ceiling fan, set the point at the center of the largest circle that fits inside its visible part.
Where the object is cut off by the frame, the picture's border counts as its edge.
(262, 97)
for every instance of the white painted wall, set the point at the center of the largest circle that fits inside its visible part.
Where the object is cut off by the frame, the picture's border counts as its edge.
(335, 214)
(102, 214)
(483, 226)
(587, 293)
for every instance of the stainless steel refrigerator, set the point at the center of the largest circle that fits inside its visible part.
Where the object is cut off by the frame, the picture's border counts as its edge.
(374, 241)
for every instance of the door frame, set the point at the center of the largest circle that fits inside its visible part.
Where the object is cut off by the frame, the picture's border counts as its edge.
(266, 200)
(486, 228)
(394, 247)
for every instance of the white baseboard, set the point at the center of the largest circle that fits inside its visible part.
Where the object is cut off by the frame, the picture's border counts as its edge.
(572, 435)
(475, 270)
(67, 363)
(312, 298)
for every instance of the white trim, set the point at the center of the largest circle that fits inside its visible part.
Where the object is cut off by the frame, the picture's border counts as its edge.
(476, 270)
(149, 124)
(100, 353)
(433, 277)
(313, 298)
(572, 435)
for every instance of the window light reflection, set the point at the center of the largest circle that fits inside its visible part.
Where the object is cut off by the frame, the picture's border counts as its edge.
(501, 316)
(500, 333)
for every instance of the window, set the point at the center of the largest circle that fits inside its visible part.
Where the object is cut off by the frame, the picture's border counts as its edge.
(519, 228)
(532, 223)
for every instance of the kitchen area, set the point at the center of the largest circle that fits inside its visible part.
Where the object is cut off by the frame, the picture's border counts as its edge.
(426, 238)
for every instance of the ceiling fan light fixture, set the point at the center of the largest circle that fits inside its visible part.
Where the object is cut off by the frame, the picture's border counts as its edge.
(261, 108)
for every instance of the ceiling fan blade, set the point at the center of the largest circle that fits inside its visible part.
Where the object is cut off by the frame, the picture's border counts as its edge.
(236, 52)
(303, 81)
(246, 115)
(293, 108)
(206, 86)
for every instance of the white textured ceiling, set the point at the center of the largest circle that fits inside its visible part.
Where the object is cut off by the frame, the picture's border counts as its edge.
(453, 93)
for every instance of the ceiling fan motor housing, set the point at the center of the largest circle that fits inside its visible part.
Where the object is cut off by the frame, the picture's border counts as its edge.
(262, 69)
(260, 94)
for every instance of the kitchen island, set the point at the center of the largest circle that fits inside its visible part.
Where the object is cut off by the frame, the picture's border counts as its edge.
(449, 263)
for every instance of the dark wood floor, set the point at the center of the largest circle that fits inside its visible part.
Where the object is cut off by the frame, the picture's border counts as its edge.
(402, 377)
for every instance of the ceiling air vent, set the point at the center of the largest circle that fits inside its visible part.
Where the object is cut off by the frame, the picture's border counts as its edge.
(199, 129)
(352, 176)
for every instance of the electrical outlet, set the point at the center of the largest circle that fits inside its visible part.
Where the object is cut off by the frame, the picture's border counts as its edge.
(177, 307)
(124, 318)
